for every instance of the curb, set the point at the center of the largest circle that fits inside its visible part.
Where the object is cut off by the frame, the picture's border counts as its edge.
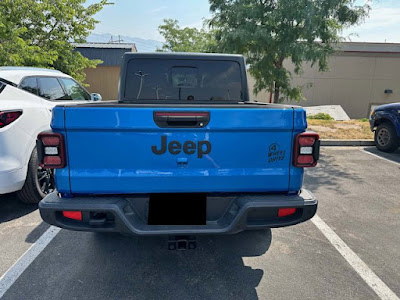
(355, 143)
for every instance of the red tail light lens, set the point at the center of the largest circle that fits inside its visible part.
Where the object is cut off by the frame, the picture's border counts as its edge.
(306, 150)
(51, 140)
(283, 212)
(306, 140)
(52, 160)
(305, 159)
(7, 117)
(51, 150)
(74, 215)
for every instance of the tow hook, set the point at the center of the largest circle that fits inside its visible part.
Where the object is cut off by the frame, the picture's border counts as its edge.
(182, 243)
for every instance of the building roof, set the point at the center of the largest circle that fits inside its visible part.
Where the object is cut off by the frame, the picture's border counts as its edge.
(129, 46)
(186, 54)
(110, 53)
(370, 47)
(15, 74)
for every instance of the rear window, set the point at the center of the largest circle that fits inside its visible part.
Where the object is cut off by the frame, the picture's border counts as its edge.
(29, 85)
(50, 88)
(187, 80)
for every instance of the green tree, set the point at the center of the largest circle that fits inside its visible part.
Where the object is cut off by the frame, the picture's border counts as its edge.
(40, 33)
(269, 31)
(185, 39)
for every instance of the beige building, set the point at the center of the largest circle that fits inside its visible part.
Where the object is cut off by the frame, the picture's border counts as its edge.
(361, 76)
(105, 78)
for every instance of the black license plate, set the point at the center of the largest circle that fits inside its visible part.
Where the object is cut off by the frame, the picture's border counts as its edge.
(177, 209)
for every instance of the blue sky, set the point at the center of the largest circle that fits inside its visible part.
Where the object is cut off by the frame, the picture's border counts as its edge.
(140, 18)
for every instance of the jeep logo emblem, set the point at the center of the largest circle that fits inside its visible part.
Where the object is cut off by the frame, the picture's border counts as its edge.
(189, 147)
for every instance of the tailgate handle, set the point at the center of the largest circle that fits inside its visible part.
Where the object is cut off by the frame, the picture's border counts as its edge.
(181, 119)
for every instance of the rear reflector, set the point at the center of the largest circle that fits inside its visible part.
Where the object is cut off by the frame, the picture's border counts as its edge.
(74, 215)
(283, 212)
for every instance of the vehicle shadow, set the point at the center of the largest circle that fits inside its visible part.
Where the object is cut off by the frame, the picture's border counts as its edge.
(36, 233)
(329, 173)
(149, 271)
(395, 156)
(113, 266)
(11, 208)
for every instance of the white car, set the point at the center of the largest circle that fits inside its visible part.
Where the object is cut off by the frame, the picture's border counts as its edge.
(27, 97)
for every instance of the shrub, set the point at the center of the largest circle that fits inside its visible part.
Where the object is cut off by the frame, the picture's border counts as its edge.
(320, 116)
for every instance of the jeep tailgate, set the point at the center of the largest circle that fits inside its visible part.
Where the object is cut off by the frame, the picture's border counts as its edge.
(125, 150)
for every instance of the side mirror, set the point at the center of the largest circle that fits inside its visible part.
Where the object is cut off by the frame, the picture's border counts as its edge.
(96, 97)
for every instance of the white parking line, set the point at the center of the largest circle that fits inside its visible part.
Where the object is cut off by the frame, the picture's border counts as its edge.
(373, 154)
(379, 287)
(12, 274)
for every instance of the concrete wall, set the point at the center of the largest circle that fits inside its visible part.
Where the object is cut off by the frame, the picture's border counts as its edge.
(103, 80)
(356, 81)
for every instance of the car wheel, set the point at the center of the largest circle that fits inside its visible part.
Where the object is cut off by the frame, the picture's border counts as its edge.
(386, 138)
(39, 182)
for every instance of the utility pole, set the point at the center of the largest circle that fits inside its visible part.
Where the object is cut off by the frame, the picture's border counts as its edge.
(112, 41)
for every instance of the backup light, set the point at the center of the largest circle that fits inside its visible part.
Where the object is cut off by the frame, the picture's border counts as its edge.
(51, 150)
(306, 150)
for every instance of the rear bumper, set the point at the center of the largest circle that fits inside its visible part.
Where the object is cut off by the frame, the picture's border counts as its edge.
(225, 214)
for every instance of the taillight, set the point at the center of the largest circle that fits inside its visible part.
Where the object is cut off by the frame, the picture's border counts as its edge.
(51, 150)
(7, 117)
(306, 150)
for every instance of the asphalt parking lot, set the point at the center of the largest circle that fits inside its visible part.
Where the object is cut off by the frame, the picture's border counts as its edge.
(359, 200)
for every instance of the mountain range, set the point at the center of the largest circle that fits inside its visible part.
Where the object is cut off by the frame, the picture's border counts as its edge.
(142, 45)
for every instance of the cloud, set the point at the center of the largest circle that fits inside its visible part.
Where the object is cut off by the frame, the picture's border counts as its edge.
(382, 25)
(158, 9)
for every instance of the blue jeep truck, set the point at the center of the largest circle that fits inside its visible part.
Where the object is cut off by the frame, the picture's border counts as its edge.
(182, 152)
(385, 121)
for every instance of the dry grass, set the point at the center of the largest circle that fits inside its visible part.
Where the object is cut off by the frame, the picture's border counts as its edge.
(353, 129)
